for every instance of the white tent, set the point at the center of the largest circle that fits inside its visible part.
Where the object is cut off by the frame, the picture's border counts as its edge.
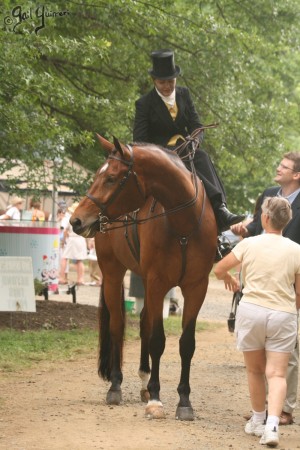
(51, 192)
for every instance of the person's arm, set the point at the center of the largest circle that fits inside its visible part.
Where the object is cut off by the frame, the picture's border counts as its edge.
(90, 243)
(221, 271)
(40, 214)
(10, 213)
(297, 289)
(253, 227)
(66, 234)
(193, 116)
(240, 229)
(141, 122)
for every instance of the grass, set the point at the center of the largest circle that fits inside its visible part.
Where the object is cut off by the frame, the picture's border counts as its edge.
(19, 350)
(172, 326)
(24, 349)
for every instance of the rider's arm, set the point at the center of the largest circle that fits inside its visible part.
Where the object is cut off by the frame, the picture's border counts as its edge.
(193, 119)
(141, 123)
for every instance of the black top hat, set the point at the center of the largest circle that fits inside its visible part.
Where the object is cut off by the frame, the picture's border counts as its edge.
(163, 65)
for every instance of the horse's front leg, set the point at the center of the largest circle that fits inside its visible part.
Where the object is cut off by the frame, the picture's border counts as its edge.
(114, 394)
(157, 339)
(111, 336)
(144, 369)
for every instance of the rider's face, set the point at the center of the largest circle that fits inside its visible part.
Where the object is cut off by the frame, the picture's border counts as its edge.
(165, 87)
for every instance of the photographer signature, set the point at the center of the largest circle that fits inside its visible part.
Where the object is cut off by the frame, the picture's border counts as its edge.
(35, 16)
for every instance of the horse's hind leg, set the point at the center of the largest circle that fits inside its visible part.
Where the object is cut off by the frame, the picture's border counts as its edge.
(192, 303)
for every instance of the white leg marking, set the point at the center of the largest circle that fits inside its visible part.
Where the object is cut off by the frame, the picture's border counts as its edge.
(154, 403)
(145, 378)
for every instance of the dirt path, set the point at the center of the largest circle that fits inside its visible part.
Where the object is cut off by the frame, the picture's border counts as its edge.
(62, 406)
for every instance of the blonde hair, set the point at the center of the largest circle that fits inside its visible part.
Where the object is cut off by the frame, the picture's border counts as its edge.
(279, 211)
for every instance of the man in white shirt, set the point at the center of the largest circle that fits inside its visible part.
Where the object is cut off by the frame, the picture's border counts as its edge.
(13, 211)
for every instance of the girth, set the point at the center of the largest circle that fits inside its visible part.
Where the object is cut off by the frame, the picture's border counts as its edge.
(134, 245)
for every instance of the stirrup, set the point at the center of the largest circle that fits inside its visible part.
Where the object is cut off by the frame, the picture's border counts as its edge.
(223, 248)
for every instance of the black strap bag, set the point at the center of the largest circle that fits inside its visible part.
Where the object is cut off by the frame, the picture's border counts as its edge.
(235, 302)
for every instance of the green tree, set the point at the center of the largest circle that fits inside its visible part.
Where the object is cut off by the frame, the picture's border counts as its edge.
(83, 70)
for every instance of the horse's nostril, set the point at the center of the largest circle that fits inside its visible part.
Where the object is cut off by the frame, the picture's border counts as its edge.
(76, 223)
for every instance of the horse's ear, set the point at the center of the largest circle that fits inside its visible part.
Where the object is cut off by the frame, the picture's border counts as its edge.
(108, 146)
(118, 146)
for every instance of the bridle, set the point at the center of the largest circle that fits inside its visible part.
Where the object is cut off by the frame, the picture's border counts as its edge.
(103, 219)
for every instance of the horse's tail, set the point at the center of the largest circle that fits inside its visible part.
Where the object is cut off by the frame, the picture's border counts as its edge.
(105, 344)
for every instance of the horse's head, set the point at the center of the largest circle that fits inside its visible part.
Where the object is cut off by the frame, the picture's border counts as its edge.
(115, 191)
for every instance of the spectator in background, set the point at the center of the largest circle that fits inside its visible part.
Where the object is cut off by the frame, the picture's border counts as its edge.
(59, 218)
(75, 249)
(13, 211)
(63, 217)
(35, 208)
(94, 269)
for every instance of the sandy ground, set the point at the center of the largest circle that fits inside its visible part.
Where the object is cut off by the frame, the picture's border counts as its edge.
(62, 406)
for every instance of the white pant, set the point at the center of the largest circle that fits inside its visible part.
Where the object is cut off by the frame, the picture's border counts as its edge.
(292, 381)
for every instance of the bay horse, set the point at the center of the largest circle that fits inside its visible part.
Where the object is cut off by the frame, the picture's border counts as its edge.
(170, 241)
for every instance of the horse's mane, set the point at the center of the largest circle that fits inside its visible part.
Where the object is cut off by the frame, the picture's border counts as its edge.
(172, 155)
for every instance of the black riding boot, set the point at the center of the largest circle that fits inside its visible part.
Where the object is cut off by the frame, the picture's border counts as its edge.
(225, 218)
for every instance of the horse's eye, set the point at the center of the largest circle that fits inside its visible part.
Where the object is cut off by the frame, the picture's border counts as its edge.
(110, 180)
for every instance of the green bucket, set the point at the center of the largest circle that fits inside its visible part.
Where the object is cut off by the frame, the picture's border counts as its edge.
(129, 305)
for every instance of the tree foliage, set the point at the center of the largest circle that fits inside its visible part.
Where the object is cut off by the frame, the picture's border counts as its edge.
(83, 70)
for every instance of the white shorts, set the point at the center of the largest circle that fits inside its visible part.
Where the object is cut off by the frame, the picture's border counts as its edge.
(258, 327)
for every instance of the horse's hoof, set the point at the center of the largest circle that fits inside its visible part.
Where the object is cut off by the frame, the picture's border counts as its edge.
(114, 397)
(145, 396)
(184, 413)
(155, 410)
